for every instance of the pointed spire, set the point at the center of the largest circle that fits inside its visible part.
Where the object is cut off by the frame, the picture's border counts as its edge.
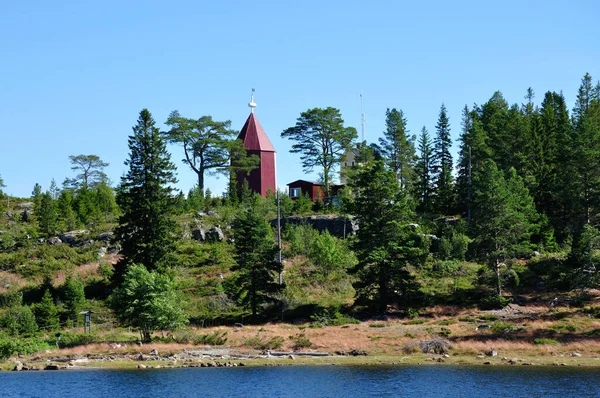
(252, 104)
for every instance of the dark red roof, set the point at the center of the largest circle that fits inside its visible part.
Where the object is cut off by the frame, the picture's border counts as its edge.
(254, 136)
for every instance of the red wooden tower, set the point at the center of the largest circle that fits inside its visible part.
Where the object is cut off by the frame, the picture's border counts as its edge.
(261, 179)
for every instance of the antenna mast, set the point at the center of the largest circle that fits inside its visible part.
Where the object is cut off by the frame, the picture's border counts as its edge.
(362, 117)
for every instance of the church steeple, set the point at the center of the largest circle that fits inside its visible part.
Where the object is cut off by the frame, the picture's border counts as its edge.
(256, 142)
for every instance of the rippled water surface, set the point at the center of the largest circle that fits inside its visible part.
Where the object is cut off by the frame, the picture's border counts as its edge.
(308, 381)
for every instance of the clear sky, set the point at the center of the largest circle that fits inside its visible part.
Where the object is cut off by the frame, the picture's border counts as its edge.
(75, 74)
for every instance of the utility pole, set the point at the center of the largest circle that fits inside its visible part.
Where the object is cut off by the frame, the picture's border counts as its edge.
(279, 240)
(470, 188)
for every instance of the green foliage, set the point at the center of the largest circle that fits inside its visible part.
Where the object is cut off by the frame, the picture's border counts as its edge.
(300, 341)
(46, 313)
(90, 169)
(495, 302)
(397, 147)
(444, 196)
(47, 216)
(68, 340)
(18, 320)
(15, 346)
(502, 327)
(148, 301)
(386, 244)
(330, 254)
(209, 146)
(73, 296)
(544, 341)
(322, 139)
(264, 343)
(255, 254)
(301, 239)
(332, 317)
(504, 218)
(146, 226)
(302, 205)
(424, 173)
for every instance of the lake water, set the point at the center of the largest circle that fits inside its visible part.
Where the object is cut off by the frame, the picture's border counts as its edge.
(308, 381)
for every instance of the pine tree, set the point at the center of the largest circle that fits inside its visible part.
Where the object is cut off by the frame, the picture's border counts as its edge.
(423, 170)
(256, 259)
(386, 243)
(47, 216)
(397, 147)
(146, 226)
(46, 313)
(442, 165)
(504, 217)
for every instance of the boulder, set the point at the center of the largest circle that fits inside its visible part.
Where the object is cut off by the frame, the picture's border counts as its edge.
(215, 234)
(154, 352)
(54, 241)
(142, 357)
(201, 214)
(25, 205)
(52, 367)
(9, 213)
(71, 237)
(212, 213)
(102, 252)
(491, 353)
(18, 367)
(106, 237)
(575, 354)
(199, 234)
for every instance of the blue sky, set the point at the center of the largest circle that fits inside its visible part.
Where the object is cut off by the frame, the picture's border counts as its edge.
(75, 74)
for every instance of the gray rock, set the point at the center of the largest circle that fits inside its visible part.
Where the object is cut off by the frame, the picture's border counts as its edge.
(18, 367)
(54, 241)
(51, 367)
(25, 205)
(199, 234)
(102, 252)
(142, 357)
(72, 237)
(9, 213)
(154, 352)
(201, 214)
(491, 353)
(106, 237)
(215, 234)
(212, 213)
(575, 354)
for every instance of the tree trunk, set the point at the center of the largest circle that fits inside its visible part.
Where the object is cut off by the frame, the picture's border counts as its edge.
(498, 281)
(201, 181)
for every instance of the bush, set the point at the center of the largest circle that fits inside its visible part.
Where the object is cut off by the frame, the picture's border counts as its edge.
(502, 327)
(300, 341)
(263, 343)
(494, 302)
(331, 317)
(216, 338)
(68, 340)
(14, 346)
(18, 320)
(543, 341)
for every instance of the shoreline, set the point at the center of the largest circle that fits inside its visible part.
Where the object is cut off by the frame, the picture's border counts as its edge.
(111, 362)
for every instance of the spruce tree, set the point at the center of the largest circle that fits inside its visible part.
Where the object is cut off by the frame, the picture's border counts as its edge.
(386, 243)
(442, 165)
(397, 147)
(504, 217)
(423, 171)
(255, 254)
(146, 226)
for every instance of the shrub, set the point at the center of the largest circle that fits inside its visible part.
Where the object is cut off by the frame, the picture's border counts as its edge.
(18, 320)
(68, 340)
(264, 343)
(331, 317)
(15, 346)
(300, 341)
(415, 322)
(216, 338)
(543, 341)
(502, 327)
(494, 302)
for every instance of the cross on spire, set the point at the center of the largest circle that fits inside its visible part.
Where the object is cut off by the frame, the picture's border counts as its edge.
(252, 104)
